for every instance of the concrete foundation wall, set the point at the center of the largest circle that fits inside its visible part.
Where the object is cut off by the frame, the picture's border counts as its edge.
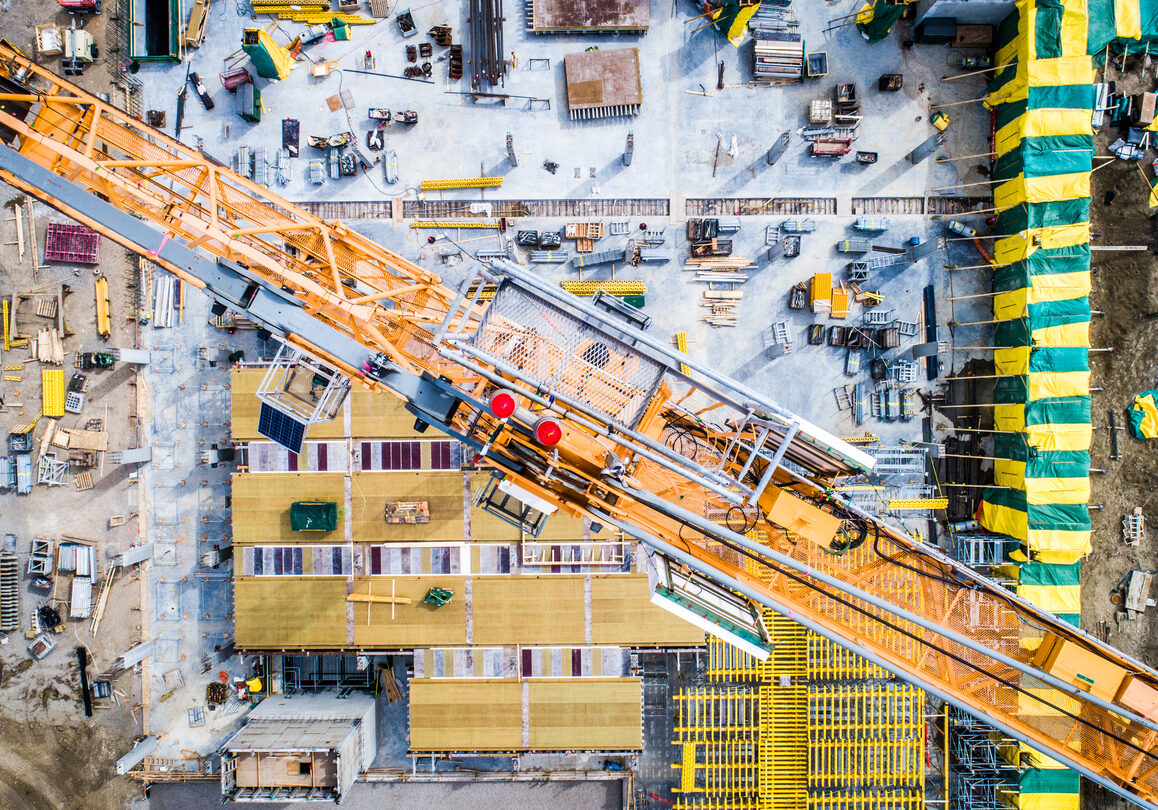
(970, 12)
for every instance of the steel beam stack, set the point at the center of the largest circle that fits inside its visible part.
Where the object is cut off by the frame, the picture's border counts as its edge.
(486, 44)
(9, 592)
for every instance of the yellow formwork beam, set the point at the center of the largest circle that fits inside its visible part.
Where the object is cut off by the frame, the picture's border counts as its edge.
(450, 225)
(321, 17)
(688, 768)
(586, 289)
(52, 392)
(868, 438)
(681, 342)
(460, 182)
(918, 503)
(7, 334)
(103, 308)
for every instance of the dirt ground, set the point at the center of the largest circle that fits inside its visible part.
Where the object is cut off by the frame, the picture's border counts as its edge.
(51, 755)
(1124, 290)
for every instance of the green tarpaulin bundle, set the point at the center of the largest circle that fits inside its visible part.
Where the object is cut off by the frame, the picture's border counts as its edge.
(313, 516)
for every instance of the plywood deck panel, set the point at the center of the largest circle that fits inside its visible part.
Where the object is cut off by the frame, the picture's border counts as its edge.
(622, 613)
(289, 613)
(529, 610)
(383, 416)
(586, 714)
(603, 78)
(373, 490)
(486, 528)
(372, 416)
(261, 505)
(466, 715)
(244, 406)
(562, 714)
(310, 613)
(413, 625)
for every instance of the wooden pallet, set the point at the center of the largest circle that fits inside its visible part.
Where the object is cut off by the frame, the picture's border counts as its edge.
(83, 480)
(408, 512)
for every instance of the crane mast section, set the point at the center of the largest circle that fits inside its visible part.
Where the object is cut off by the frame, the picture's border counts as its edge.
(718, 481)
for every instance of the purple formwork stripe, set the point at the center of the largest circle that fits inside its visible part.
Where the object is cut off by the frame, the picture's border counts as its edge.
(72, 243)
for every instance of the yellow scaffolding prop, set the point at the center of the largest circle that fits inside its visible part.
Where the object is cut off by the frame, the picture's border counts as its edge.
(460, 182)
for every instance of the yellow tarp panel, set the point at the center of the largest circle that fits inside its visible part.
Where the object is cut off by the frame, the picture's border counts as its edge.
(1037, 759)
(1023, 245)
(1059, 547)
(1041, 122)
(1074, 34)
(1011, 362)
(1060, 437)
(1128, 17)
(1149, 426)
(1049, 801)
(739, 25)
(1052, 384)
(1054, 598)
(1049, 188)
(1009, 416)
(1043, 491)
(52, 392)
(1014, 304)
(1040, 491)
(1067, 334)
(1004, 520)
(1061, 72)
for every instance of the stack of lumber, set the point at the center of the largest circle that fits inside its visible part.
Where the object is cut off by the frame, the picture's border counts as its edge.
(48, 347)
(720, 303)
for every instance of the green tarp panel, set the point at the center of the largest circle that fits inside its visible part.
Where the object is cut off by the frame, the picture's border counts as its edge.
(1013, 447)
(885, 14)
(1041, 157)
(1043, 215)
(1019, 332)
(1047, 29)
(1101, 30)
(1047, 261)
(1067, 517)
(1007, 30)
(313, 516)
(1049, 780)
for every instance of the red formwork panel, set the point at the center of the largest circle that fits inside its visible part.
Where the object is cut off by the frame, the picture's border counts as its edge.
(72, 243)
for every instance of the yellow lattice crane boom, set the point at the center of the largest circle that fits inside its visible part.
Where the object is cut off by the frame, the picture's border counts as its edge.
(575, 410)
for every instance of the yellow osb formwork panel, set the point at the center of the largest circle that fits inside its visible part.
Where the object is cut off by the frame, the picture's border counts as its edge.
(372, 415)
(442, 491)
(545, 714)
(311, 613)
(261, 506)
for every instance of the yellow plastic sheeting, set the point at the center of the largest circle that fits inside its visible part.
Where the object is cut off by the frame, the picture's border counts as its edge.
(1149, 426)
(1060, 437)
(1059, 547)
(1014, 304)
(1051, 384)
(1039, 123)
(1023, 245)
(1075, 29)
(1044, 491)
(1049, 801)
(1062, 72)
(1054, 598)
(1009, 416)
(1128, 17)
(1067, 334)
(739, 25)
(1049, 188)
(1036, 759)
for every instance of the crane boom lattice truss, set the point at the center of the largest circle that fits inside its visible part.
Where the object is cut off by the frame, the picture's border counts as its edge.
(731, 495)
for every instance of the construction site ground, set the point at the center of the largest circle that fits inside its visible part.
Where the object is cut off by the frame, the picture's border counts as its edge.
(693, 142)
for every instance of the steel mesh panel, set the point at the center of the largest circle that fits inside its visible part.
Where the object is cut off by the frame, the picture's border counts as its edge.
(556, 351)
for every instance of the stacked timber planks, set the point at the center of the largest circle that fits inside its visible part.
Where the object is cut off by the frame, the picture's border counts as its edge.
(720, 302)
